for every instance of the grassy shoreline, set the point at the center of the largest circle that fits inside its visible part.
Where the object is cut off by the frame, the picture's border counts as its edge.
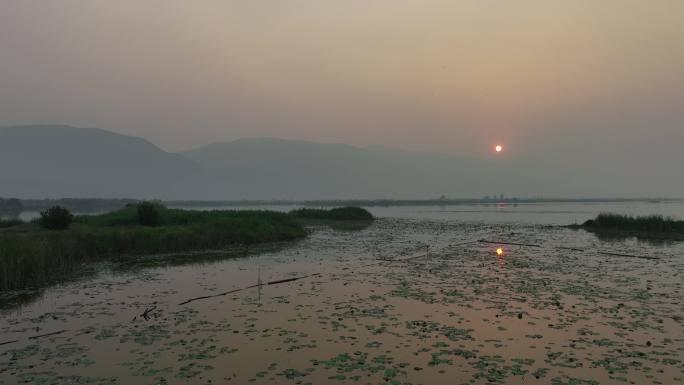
(31, 256)
(651, 226)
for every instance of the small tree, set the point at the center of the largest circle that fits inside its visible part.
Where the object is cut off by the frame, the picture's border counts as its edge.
(148, 214)
(56, 218)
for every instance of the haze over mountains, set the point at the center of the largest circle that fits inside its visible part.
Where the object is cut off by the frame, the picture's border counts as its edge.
(63, 161)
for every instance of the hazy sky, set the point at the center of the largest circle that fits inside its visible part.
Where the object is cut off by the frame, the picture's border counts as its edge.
(558, 79)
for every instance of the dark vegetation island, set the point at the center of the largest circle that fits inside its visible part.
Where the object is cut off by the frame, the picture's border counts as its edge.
(651, 225)
(50, 248)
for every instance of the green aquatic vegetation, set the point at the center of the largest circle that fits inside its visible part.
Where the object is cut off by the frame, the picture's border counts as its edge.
(540, 373)
(339, 213)
(523, 361)
(438, 360)
(405, 290)
(612, 365)
(146, 335)
(40, 378)
(403, 326)
(147, 371)
(197, 349)
(490, 368)
(192, 370)
(467, 354)
(36, 257)
(603, 342)
(670, 361)
(21, 354)
(456, 334)
(426, 329)
(346, 363)
(651, 223)
(291, 374)
(562, 359)
(517, 370)
(572, 381)
(105, 334)
(377, 329)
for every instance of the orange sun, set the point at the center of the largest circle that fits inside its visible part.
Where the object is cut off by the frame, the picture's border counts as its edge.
(498, 148)
(499, 251)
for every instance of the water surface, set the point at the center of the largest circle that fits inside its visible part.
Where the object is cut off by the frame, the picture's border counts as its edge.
(412, 299)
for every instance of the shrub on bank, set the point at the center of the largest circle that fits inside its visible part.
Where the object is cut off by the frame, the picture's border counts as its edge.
(56, 218)
(148, 214)
(339, 213)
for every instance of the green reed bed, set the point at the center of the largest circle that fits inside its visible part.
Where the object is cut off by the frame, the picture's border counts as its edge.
(32, 256)
(650, 223)
(340, 213)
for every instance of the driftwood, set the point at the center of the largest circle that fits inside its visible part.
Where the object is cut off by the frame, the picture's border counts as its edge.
(246, 288)
(209, 296)
(289, 279)
(627, 255)
(510, 243)
(146, 313)
(46, 334)
(570, 248)
(8, 342)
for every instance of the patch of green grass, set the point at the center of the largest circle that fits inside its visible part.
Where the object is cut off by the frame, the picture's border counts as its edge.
(651, 223)
(36, 256)
(4, 223)
(339, 213)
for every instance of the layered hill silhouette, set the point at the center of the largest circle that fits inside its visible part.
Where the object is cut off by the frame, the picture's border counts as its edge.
(64, 161)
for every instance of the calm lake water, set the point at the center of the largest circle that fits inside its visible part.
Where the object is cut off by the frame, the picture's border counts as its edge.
(526, 213)
(413, 298)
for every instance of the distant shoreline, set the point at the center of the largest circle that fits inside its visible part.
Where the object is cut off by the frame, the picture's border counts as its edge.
(416, 202)
(94, 205)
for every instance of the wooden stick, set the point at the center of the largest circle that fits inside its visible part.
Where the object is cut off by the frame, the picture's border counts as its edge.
(291, 279)
(47, 334)
(569, 248)
(627, 255)
(208, 296)
(245, 288)
(8, 342)
(146, 313)
(509, 243)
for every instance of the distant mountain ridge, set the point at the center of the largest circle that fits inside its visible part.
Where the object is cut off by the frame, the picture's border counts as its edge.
(306, 170)
(64, 161)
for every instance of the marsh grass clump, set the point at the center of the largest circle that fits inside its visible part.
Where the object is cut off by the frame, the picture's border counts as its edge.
(650, 223)
(148, 213)
(336, 214)
(5, 223)
(56, 218)
(36, 257)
